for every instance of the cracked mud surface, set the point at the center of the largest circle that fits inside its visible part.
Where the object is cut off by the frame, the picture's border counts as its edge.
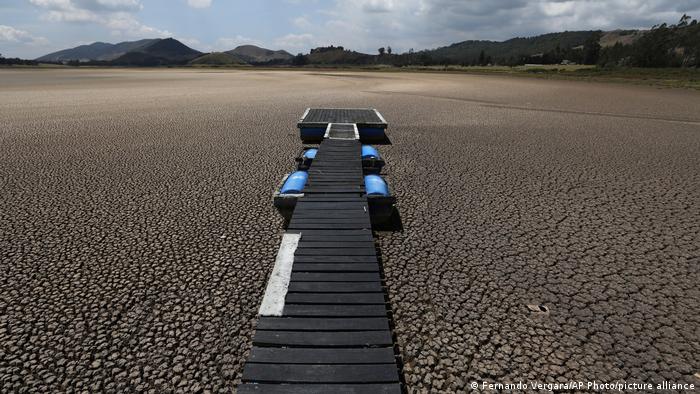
(137, 229)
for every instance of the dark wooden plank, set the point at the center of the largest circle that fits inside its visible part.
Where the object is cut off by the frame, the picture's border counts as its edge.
(335, 252)
(345, 185)
(350, 154)
(339, 153)
(335, 310)
(316, 201)
(310, 211)
(345, 163)
(335, 267)
(335, 287)
(355, 172)
(345, 373)
(335, 298)
(306, 211)
(332, 177)
(323, 323)
(335, 259)
(334, 277)
(318, 167)
(315, 207)
(330, 226)
(360, 222)
(337, 167)
(340, 168)
(383, 388)
(334, 200)
(349, 184)
(357, 219)
(341, 197)
(347, 239)
(322, 339)
(336, 232)
(328, 215)
(331, 189)
(350, 158)
(332, 154)
(335, 244)
(272, 355)
(321, 177)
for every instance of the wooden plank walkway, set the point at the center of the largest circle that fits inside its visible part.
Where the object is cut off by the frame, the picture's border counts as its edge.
(334, 334)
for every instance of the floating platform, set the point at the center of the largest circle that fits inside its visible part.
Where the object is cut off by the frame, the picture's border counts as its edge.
(370, 124)
(337, 168)
(371, 163)
(324, 322)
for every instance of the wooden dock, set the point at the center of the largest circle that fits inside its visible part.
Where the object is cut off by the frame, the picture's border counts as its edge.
(334, 333)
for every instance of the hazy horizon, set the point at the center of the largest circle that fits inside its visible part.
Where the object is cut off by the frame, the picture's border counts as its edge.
(32, 28)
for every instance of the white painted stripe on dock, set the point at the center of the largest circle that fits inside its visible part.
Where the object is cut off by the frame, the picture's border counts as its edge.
(380, 116)
(276, 292)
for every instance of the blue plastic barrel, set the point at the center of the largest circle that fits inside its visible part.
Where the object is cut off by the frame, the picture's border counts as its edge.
(295, 183)
(310, 153)
(369, 152)
(375, 186)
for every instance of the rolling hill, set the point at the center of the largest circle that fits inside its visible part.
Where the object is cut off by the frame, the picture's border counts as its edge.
(256, 55)
(338, 56)
(168, 51)
(148, 52)
(97, 51)
(470, 51)
(217, 59)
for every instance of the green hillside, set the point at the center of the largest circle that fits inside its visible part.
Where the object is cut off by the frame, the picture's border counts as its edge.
(338, 56)
(218, 59)
(255, 55)
(662, 46)
(98, 51)
(510, 51)
(168, 51)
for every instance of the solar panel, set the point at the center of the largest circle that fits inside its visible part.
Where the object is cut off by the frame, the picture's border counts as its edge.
(323, 116)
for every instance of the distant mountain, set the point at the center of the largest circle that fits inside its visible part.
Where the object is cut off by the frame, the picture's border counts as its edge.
(217, 59)
(168, 51)
(256, 55)
(100, 51)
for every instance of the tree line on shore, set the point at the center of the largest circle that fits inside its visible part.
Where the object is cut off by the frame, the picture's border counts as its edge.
(17, 61)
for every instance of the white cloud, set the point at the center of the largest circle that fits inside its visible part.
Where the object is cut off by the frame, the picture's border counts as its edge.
(302, 22)
(9, 34)
(295, 42)
(126, 25)
(115, 15)
(199, 3)
(90, 5)
(190, 42)
(368, 24)
(376, 6)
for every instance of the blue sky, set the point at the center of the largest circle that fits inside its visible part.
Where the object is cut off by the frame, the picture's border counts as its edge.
(31, 28)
